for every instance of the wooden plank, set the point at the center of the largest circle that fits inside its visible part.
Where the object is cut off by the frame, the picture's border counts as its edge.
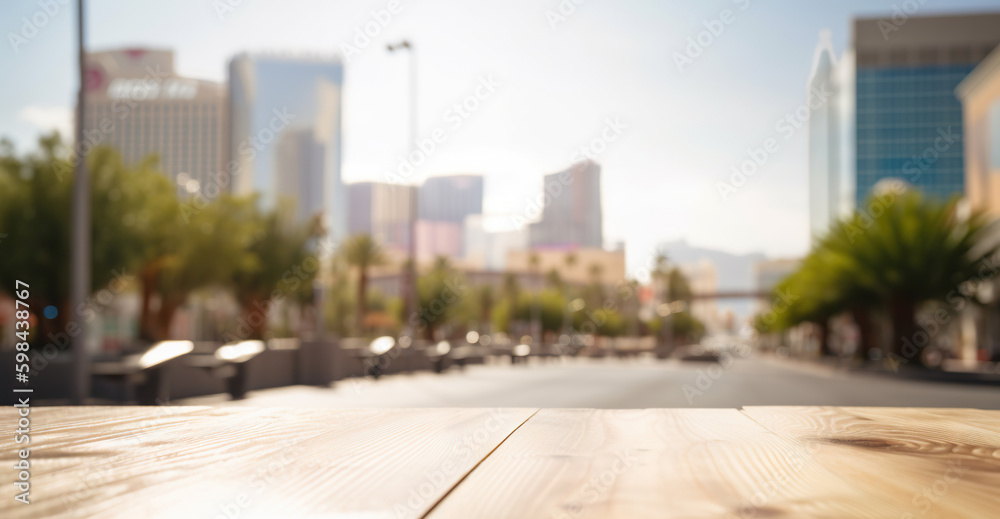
(76, 430)
(251, 462)
(934, 462)
(576, 463)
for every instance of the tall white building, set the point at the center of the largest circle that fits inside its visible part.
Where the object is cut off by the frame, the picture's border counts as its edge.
(830, 95)
(137, 104)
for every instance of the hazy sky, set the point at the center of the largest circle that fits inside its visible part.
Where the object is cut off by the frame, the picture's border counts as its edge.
(559, 78)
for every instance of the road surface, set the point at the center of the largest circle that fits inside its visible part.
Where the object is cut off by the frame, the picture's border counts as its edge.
(631, 383)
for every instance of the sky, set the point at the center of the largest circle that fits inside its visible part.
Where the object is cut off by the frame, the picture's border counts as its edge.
(564, 74)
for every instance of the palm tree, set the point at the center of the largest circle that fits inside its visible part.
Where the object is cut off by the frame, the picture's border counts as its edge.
(362, 253)
(661, 273)
(918, 250)
(915, 251)
(280, 247)
(570, 259)
(511, 288)
(553, 279)
(595, 292)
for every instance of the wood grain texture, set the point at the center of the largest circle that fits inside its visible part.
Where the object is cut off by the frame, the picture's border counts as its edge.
(936, 463)
(207, 462)
(245, 462)
(653, 463)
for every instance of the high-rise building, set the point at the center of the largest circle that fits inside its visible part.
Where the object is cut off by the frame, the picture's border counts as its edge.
(450, 198)
(382, 211)
(909, 121)
(435, 238)
(980, 96)
(444, 204)
(285, 134)
(488, 239)
(137, 104)
(830, 94)
(572, 215)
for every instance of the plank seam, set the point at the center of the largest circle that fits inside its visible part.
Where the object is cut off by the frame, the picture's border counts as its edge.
(474, 467)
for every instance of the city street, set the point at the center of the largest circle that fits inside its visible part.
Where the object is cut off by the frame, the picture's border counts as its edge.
(613, 383)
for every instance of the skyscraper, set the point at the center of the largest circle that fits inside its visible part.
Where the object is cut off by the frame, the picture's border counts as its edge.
(571, 216)
(451, 198)
(382, 211)
(444, 204)
(137, 104)
(285, 138)
(830, 91)
(909, 121)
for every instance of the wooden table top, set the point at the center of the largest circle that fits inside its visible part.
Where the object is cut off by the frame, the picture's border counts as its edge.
(758, 462)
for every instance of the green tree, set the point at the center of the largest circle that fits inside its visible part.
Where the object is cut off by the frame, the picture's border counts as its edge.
(679, 286)
(204, 252)
(915, 251)
(339, 299)
(35, 201)
(282, 266)
(362, 253)
(440, 292)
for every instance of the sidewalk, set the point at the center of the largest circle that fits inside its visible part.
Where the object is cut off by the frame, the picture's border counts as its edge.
(989, 374)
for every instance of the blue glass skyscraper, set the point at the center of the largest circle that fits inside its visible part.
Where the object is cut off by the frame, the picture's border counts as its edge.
(908, 119)
(285, 116)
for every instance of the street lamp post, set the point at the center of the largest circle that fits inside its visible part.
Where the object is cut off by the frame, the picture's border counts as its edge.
(410, 281)
(80, 240)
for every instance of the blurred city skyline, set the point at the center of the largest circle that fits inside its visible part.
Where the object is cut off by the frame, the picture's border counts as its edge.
(560, 77)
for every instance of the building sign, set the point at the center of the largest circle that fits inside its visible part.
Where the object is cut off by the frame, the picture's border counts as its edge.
(146, 89)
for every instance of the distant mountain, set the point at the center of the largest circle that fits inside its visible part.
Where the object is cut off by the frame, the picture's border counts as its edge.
(733, 271)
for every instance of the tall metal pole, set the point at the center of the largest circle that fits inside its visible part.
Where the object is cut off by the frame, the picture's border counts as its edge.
(410, 284)
(80, 245)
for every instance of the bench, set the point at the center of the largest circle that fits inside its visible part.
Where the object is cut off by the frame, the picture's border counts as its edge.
(229, 362)
(142, 374)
